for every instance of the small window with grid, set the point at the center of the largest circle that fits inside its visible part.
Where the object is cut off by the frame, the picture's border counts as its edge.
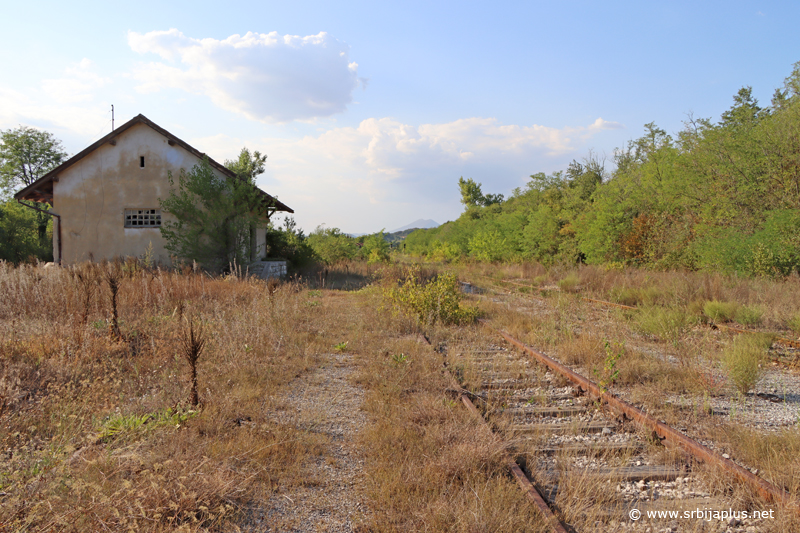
(142, 218)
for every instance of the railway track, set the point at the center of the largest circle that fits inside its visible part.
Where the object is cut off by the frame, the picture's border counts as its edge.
(599, 463)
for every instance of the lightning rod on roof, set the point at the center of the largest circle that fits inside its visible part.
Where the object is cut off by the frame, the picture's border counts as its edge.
(112, 117)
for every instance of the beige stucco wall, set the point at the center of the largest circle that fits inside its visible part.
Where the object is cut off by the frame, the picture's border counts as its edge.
(91, 196)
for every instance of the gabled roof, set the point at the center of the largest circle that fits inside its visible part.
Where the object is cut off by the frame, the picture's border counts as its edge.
(41, 190)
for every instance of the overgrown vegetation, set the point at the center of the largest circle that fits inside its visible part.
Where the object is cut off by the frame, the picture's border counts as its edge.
(430, 301)
(213, 218)
(98, 432)
(24, 236)
(720, 196)
(26, 154)
(745, 360)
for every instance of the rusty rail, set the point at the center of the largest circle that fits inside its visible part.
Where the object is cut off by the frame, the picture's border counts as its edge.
(530, 490)
(603, 302)
(782, 340)
(515, 282)
(766, 489)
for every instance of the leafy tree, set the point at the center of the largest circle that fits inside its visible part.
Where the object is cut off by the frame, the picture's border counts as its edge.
(375, 248)
(26, 154)
(248, 165)
(720, 196)
(487, 245)
(19, 237)
(290, 243)
(331, 245)
(471, 194)
(214, 218)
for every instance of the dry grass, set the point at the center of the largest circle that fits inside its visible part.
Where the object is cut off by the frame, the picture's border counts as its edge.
(669, 350)
(98, 432)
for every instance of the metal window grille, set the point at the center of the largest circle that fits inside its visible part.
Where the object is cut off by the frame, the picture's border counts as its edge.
(142, 218)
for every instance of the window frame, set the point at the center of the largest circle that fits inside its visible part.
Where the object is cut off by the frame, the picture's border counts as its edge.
(142, 214)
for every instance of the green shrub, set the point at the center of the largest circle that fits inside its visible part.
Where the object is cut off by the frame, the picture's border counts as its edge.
(637, 296)
(569, 283)
(375, 248)
(431, 301)
(695, 308)
(667, 324)
(445, 252)
(748, 315)
(488, 246)
(720, 311)
(744, 360)
(331, 245)
(24, 234)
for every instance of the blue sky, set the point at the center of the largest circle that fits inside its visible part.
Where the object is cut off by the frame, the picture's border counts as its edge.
(369, 111)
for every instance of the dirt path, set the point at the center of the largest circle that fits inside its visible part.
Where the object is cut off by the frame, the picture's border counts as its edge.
(323, 402)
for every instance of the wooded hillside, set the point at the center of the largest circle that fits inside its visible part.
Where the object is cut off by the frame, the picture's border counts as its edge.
(720, 195)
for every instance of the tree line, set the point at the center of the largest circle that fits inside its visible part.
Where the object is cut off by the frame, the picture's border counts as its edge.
(721, 196)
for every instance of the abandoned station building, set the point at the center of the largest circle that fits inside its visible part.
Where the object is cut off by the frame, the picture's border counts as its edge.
(105, 198)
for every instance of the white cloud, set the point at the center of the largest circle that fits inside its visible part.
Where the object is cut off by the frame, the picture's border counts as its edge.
(384, 171)
(265, 77)
(601, 124)
(31, 108)
(78, 84)
(67, 106)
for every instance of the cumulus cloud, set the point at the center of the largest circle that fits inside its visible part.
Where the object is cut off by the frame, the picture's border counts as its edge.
(265, 77)
(391, 149)
(384, 171)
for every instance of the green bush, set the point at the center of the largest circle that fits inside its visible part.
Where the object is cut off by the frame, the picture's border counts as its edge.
(488, 246)
(431, 301)
(666, 324)
(569, 283)
(375, 248)
(744, 360)
(720, 311)
(331, 245)
(289, 243)
(748, 315)
(445, 252)
(794, 323)
(637, 296)
(24, 234)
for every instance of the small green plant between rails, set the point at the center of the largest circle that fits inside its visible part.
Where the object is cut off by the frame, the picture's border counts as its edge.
(340, 347)
(400, 359)
(609, 374)
(437, 300)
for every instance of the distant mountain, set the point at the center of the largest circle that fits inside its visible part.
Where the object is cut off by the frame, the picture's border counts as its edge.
(417, 224)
